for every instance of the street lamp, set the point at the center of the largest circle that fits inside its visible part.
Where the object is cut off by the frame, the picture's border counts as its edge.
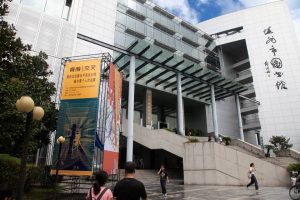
(26, 105)
(60, 140)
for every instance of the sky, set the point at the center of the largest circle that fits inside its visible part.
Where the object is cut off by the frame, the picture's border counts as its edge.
(195, 11)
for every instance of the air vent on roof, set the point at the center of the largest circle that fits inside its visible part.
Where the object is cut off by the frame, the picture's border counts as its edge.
(135, 14)
(190, 42)
(188, 26)
(134, 33)
(141, 1)
(208, 37)
(208, 43)
(164, 46)
(163, 28)
(191, 58)
(162, 11)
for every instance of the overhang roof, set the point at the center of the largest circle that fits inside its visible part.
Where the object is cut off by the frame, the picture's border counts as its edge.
(157, 67)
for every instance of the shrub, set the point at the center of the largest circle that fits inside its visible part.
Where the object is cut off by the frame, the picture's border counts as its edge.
(294, 167)
(10, 169)
(280, 142)
(269, 147)
(193, 140)
(227, 140)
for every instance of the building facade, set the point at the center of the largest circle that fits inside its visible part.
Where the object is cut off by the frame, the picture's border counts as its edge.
(232, 54)
(258, 47)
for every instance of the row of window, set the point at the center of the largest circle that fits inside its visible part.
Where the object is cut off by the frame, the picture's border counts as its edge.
(55, 8)
(162, 19)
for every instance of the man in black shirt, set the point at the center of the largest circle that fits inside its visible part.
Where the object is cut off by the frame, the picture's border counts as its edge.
(129, 188)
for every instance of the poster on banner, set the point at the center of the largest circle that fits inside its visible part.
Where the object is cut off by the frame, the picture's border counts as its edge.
(77, 122)
(81, 79)
(112, 128)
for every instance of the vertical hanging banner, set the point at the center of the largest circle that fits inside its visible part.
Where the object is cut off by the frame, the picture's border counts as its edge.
(78, 115)
(112, 127)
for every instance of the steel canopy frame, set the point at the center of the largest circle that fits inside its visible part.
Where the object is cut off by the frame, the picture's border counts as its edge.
(163, 65)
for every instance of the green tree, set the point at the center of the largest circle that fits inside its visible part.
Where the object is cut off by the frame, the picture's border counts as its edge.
(22, 73)
(280, 142)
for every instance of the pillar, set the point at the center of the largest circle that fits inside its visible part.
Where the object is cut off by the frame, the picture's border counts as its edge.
(129, 153)
(238, 109)
(214, 112)
(147, 109)
(180, 114)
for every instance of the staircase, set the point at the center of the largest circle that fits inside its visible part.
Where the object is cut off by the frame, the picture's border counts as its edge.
(157, 139)
(151, 180)
(257, 152)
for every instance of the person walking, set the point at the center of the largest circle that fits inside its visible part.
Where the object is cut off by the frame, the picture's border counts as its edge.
(251, 175)
(164, 178)
(129, 188)
(98, 191)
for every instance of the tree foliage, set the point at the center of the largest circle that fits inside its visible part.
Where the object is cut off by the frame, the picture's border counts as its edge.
(280, 142)
(22, 73)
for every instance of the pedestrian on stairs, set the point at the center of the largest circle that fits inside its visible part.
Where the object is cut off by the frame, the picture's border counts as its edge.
(98, 191)
(251, 175)
(164, 178)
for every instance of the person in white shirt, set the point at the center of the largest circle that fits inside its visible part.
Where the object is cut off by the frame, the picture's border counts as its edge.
(252, 176)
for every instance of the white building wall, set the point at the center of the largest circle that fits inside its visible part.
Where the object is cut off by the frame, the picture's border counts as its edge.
(279, 111)
(95, 19)
(52, 35)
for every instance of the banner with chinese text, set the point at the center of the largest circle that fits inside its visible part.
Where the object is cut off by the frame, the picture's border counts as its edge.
(81, 79)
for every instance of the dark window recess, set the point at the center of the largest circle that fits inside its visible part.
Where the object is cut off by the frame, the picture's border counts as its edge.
(134, 33)
(163, 28)
(164, 46)
(141, 1)
(163, 12)
(189, 26)
(212, 63)
(68, 3)
(135, 14)
(186, 40)
(191, 58)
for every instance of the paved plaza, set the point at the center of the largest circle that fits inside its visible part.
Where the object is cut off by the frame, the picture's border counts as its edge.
(218, 192)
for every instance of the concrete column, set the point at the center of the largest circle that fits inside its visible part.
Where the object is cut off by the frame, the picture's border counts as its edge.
(147, 109)
(214, 112)
(238, 109)
(129, 154)
(180, 114)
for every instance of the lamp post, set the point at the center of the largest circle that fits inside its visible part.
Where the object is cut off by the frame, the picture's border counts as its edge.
(60, 140)
(26, 105)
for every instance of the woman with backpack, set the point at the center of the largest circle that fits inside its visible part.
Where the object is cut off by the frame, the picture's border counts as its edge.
(98, 191)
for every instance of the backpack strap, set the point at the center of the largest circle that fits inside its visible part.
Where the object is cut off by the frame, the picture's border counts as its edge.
(90, 194)
(102, 193)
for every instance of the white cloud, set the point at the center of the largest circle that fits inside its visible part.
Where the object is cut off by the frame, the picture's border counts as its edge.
(228, 6)
(181, 8)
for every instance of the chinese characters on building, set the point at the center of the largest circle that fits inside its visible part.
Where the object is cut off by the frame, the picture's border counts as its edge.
(274, 65)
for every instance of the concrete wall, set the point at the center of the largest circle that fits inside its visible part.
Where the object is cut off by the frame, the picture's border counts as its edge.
(210, 163)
